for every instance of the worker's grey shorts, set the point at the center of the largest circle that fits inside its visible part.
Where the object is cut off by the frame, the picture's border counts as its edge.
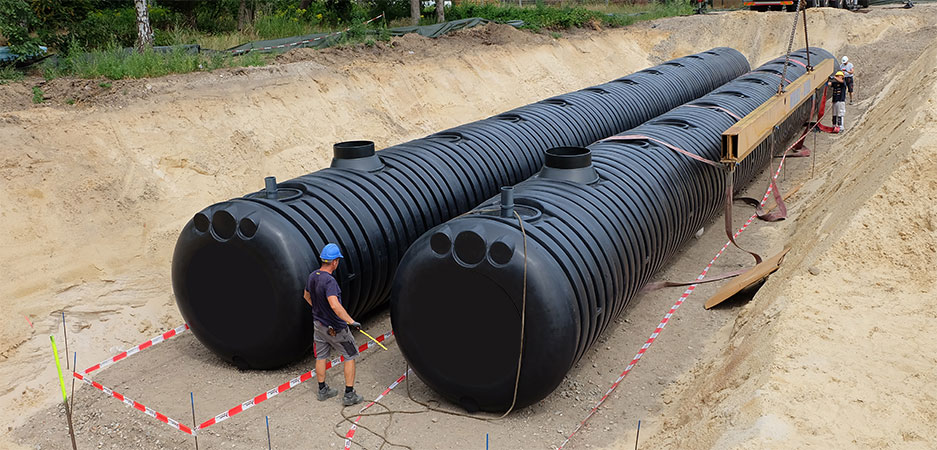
(839, 109)
(343, 342)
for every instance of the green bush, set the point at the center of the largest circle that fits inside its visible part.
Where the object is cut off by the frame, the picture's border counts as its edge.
(105, 28)
(57, 14)
(289, 22)
(38, 95)
(8, 74)
(338, 10)
(17, 22)
(220, 16)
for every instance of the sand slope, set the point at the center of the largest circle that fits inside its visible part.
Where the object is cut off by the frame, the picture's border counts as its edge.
(839, 349)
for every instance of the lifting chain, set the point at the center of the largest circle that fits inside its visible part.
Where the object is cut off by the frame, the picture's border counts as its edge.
(790, 44)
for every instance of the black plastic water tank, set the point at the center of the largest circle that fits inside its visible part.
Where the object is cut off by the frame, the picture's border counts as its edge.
(240, 266)
(591, 244)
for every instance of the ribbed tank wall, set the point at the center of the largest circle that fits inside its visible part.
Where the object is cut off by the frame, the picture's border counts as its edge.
(590, 246)
(240, 266)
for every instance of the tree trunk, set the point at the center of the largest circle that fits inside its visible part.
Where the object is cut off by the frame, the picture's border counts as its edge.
(440, 11)
(144, 31)
(244, 15)
(415, 12)
(304, 4)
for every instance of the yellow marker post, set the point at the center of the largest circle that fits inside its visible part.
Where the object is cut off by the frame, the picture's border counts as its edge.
(362, 332)
(58, 366)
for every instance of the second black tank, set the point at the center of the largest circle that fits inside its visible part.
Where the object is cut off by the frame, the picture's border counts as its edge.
(570, 249)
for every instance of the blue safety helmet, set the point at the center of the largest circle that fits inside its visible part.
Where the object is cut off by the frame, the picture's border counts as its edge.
(330, 252)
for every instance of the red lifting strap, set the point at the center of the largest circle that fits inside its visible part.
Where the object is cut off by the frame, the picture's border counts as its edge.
(728, 213)
(824, 128)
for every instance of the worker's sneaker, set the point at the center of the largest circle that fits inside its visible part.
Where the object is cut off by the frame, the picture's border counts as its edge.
(352, 398)
(326, 393)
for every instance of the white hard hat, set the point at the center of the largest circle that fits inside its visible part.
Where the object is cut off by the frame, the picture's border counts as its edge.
(845, 59)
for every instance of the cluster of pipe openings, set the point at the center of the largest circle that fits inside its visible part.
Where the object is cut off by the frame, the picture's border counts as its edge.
(239, 266)
(598, 222)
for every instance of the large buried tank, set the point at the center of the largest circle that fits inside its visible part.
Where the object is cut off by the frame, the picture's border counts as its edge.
(239, 266)
(598, 222)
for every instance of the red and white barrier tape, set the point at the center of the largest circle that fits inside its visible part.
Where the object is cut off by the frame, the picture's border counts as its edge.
(135, 404)
(305, 41)
(218, 418)
(689, 290)
(285, 386)
(354, 426)
(130, 352)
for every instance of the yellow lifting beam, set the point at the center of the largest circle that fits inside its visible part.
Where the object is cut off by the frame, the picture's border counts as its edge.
(740, 139)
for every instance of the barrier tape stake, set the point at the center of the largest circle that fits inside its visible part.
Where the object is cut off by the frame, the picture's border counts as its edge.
(68, 411)
(74, 364)
(268, 432)
(65, 332)
(194, 423)
(637, 434)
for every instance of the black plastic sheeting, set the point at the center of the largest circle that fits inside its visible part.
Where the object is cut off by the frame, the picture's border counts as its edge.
(458, 294)
(240, 266)
(323, 40)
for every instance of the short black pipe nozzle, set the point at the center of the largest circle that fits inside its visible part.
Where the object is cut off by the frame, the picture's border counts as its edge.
(507, 201)
(270, 188)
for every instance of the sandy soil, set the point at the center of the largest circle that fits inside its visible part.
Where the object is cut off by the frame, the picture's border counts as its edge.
(838, 350)
(94, 194)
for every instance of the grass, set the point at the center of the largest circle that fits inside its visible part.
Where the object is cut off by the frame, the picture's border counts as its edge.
(266, 26)
(558, 18)
(116, 64)
(38, 95)
(8, 74)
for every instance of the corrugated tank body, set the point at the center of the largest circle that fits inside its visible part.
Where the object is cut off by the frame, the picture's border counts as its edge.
(598, 222)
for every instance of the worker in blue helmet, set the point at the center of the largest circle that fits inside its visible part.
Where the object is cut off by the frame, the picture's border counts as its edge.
(331, 325)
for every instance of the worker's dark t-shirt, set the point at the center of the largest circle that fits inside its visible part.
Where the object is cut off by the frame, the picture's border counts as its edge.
(321, 286)
(839, 91)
